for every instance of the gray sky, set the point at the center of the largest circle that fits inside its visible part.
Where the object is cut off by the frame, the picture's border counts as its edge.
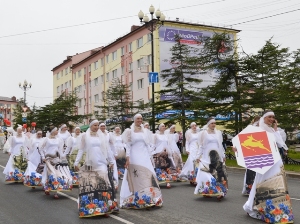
(32, 56)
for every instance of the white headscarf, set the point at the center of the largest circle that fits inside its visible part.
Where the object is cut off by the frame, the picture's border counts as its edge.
(264, 126)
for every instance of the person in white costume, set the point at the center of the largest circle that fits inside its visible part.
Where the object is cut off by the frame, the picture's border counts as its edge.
(73, 143)
(140, 188)
(212, 176)
(2, 139)
(17, 162)
(163, 158)
(31, 177)
(112, 151)
(56, 175)
(173, 138)
(64, 134)
(10, 133)
(269, 199)
(97, 160)
(119, 146)
(189, 170)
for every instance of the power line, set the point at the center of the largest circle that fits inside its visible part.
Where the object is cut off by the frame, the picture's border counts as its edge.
(266, 17)
(101, 21)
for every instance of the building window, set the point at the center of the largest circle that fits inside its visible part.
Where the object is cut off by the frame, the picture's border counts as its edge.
(57, 89)
(102, 78)
(114, 73)
(90, 84)
(130, 86)
(79, 73)
(107, 77)
(148, 37)
(130, 47)
(107, 58)
(139, 42)
(96, 98)
(140, 62)
(70, 84)
(84, 70)
(66, 71)
(141, 103)
(95, 65)
(122, 51)
(62, 87)
(90, 68)
(130, 67)
(114, 55)
(57, 76)
(149, 59)
(122, 70)
(62, 73)
(75, 75)
(102, 95)
(90, 98)
(79, 103)
(102, 62)
(66, 85)
(96, 81)
(140, 83)
(79, 88)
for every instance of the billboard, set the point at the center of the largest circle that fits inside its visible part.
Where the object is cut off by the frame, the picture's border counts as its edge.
(189, 37)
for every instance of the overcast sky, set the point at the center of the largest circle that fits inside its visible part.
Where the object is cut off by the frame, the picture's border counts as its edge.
(32, 56)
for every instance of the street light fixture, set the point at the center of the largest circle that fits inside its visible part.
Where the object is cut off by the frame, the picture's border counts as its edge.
(152, 25)
(25, 86)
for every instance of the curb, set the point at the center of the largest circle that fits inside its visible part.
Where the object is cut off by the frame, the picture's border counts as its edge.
(242, 170)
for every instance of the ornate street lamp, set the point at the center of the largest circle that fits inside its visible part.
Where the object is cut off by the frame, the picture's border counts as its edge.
(152, 25)
(25, 86)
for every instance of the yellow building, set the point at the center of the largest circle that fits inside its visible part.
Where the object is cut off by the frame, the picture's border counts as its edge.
(129, 58)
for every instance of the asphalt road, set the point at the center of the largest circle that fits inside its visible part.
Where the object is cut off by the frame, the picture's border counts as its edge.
(20, 204)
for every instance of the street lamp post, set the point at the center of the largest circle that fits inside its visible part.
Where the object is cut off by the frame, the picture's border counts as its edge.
(25, 87)
(152, 25)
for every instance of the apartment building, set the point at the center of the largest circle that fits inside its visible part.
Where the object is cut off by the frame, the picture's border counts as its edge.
(7, 105)
(128, 58)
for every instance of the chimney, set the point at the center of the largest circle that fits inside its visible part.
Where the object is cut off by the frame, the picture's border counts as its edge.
(134, 27)
(14, 99)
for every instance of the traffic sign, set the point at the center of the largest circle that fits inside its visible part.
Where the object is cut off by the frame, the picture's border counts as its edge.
(24, 114)
(24, 119)
(153, 77)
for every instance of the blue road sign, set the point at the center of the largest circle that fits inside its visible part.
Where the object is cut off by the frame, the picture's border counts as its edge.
(153, 77)
(24, 119)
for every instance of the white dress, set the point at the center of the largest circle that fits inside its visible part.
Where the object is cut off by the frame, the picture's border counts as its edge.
(192, 146)
(31, 177)
(140, 187)
(64, 136)
(18, 148)
(97, 159)
(56, 176)
(209, 179)
(173, 138)
(269, 199)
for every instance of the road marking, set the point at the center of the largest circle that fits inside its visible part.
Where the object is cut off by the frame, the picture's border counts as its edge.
(2, 167)
(113, 216)
(297, 199)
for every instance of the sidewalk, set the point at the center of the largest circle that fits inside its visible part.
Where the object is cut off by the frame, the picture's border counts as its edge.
(288, 173)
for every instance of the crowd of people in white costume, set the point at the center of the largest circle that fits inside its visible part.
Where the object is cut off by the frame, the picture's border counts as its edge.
(142, 160)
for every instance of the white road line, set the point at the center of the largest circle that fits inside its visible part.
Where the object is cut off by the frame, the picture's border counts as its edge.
(113, 216)
(297, 199)
(75, 199)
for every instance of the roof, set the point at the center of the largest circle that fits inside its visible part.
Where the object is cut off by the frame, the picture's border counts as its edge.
(4, 98)
(69, 58)
(137, 28)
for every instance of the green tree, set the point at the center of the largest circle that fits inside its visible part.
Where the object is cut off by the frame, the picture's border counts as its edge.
(181, 81)
(226, 96)
(118, 106)
(18, 110)
(62, 111)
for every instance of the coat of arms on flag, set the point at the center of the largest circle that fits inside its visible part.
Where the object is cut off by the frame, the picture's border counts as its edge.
(256, 149)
